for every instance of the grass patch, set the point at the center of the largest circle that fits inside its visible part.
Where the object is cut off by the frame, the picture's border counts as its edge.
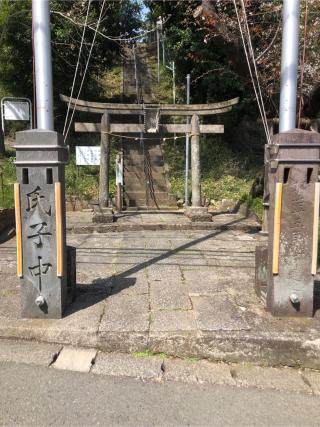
(7, 179)
(225, 174)
(192, 359)
(149, 353)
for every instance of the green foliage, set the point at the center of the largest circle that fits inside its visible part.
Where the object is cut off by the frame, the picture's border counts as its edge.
(7, 179)
(226, 174)
(82, 181)
(255, 204)
(186, 44)
(67, 17)
(149, 353)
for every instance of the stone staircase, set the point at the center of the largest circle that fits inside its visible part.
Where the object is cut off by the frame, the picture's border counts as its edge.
(140, 57)
(145, 180)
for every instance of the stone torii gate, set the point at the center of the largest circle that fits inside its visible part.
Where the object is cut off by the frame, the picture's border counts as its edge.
(152, 114)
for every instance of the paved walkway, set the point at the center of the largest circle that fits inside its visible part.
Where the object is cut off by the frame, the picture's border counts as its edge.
(187, 293)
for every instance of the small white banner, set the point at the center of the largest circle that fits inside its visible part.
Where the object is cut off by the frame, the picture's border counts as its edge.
(16, 110)
(119, 170)
(87, 156)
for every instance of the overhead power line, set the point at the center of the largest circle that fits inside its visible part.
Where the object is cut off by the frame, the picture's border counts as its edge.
(77, 67)
(257, 92)
(86, 68)
(115, 39)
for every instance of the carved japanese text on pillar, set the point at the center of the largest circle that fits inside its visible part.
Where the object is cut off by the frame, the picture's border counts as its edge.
(39, 233)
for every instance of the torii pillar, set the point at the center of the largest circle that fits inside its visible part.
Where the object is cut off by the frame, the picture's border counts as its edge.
(196, 212)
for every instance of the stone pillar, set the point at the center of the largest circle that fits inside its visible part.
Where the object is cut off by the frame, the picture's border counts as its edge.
(41, 223)
(293, 223)
(195, 162)
(103, 213)
(196, 212)
(104, 162)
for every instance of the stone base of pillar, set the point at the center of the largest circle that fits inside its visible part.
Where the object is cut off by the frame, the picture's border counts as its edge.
(71, 274)
(103, 215)
(198, 214)
(261, 273)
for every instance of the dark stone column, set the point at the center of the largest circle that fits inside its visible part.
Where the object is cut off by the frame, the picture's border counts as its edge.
(293, 223)
(41, 223)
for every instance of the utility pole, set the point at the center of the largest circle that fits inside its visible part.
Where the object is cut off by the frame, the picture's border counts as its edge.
(289, 64)
(159, 26)
(174, 82)
(173, 70)
(43, 63)
(163, 49)
(186, 197)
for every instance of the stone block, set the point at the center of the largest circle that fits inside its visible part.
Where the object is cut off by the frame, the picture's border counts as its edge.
(125, 313)
(126, 365)
(198, 214)
(169, 295)
(261, 261)
(103, 215)
(173, 321)
(193, 371)
(218, 313)
(28, 352)
(75, 359)
(272, 378)
(313, 378)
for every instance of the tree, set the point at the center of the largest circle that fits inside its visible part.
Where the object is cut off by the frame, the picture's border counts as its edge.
(119, 18)
(204, 38)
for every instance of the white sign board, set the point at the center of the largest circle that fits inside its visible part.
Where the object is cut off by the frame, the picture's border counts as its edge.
(16, 110)
(87, 156)
(119, 171)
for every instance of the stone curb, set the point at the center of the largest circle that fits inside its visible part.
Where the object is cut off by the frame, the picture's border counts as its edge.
(147, 366)
(114, 227)
(230, 347)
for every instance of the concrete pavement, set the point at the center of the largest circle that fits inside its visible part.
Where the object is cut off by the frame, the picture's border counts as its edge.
(39, 395)
(159, 368)
(186, 293)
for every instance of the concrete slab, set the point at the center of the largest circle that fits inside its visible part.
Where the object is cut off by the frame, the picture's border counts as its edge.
(164, 273)
(204, 281)
(75, 359)
(172, 321)
(28, 352)
(169, 296)
(194, 371)
(119, 365)
(132, 285)
(279, 379)
(312, 378)
(125, 314)
(218, 313)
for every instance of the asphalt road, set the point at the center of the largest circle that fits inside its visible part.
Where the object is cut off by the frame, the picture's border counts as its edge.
(34, 395)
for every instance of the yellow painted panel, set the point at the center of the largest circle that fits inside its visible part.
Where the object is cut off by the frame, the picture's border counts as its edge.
(17, 204)
(276, 228)
(59, 229)
(315, 236)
